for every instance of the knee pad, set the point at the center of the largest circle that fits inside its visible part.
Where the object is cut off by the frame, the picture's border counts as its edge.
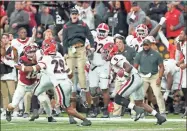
(121, 101)
(93, 91)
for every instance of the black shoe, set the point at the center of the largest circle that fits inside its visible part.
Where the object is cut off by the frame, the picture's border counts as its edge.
(35, 115)
(86, 122)
(8, 116)
(51, 119)
(72, 120)
(160, 119)
(139, 111)
(105, 113)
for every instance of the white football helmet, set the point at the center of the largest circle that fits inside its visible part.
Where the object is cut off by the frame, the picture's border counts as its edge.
(129, 39)
(102, 30)
(141, 31)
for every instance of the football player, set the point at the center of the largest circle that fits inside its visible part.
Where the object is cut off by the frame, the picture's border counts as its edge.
(172, 81)
(55, 73)
(99, 70)
(141, 32)
(26, 80)
(132, 86)
(181, 48)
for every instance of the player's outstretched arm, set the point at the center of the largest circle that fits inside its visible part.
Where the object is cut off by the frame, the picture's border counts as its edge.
(28, 68)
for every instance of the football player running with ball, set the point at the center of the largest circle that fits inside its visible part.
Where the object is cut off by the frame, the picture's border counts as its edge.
(133, 86)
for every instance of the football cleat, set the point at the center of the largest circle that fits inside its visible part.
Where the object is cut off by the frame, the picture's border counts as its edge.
(160, 119)
(139, 111)
(105, 113)
(35, 115)
(51, 119)
(8, 116)
(86, 122)
(72, 120)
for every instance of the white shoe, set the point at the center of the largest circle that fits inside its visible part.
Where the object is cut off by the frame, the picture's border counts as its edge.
(15, 114)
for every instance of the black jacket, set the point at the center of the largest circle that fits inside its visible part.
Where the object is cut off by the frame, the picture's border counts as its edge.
(75, 32)
(156, 11)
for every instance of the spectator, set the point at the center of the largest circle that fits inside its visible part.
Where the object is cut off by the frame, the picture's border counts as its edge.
(147, 61)
(121, 16)
(8, 72)
(19, 18)
(44, 18)
(86, 15)
(135, 17)
(3, 19)
(157, 10)
(174, 21)
(31, 10)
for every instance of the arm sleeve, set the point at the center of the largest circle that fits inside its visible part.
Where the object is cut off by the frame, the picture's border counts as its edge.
(160, 59)
(65, 40)
(181, 22)
(89, 36)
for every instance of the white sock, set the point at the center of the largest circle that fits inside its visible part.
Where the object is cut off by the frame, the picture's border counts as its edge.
(57, 109)
(154, 113)
(131, 106)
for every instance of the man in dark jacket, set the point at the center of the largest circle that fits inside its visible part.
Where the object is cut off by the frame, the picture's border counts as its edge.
(75, 33)
(74, 36)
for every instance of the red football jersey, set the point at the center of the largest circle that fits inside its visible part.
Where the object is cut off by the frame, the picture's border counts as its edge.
(27, 78)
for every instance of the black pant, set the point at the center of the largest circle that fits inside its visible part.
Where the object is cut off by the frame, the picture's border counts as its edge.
(184, 90)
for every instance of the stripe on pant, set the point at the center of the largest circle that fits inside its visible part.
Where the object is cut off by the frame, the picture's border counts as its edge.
(126, 85)
(36, 86)
(61, 96)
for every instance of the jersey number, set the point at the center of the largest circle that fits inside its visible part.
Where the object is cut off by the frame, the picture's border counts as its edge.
(136, 48)
(99, 47)
(59, 66)
(31, 75)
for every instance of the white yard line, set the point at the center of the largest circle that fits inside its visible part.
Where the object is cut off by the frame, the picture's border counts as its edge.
(97, 119)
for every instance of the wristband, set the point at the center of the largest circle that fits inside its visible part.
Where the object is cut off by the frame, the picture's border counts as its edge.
(22, 68)
(34, 68)
(69, 73)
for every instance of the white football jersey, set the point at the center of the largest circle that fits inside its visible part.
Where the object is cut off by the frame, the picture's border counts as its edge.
(176, 72)
(183, 49)
(117, 62)
(137, 44)
(55, 67)
(99, 43)
(19, 44)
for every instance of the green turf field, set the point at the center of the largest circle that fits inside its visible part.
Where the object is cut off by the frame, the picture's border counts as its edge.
(174, 123)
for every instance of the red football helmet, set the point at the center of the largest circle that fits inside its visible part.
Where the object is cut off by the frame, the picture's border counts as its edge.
(102, 30)
(49, 47)
(141, 31)
(108, 51)
(29, 51)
